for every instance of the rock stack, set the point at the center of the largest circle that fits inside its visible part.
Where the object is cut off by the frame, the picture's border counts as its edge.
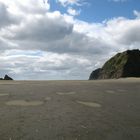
(6, 77)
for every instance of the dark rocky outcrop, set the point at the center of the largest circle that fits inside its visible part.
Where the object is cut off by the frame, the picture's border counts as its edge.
(6, 77)
(95, 74)
(125, 64)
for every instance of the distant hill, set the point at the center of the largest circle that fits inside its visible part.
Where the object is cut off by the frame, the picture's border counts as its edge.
(125, 64)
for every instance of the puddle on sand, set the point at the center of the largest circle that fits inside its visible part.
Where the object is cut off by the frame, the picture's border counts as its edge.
(23, 103)
(110, 91)
(66, 93)
(90, 104)
(47, 99)
(117, 91)
(121, 90)
(4, 94)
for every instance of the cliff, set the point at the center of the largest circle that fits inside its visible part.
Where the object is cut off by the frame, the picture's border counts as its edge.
(125, 64)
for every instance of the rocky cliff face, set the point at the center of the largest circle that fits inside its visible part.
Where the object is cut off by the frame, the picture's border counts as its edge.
(126, 64)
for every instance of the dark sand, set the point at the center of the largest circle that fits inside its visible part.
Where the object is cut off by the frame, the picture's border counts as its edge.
(70, 110)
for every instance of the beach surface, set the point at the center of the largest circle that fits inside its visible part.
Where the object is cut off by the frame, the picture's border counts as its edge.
(70, 110)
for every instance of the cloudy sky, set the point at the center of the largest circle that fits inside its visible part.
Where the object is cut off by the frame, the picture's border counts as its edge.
(64, 39)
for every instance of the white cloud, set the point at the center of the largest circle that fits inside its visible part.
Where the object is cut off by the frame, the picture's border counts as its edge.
(73, 12)
(118, 0)
(26, 6)
(40, 28)
(51, 45)
(71, 2)
(136, 13)
(7, 17)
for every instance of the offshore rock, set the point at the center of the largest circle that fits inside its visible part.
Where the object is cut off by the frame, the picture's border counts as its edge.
(6, 77)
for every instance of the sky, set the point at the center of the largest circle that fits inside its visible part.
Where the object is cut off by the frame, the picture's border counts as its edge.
(64, 39)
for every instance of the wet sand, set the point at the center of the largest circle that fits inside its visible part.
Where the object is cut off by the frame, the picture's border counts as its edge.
(70, 110)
